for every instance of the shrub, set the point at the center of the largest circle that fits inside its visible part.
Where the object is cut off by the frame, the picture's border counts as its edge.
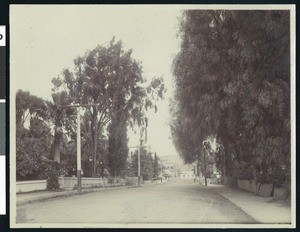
(246, 175)
(278, 178)
(52, 173)
(129, 181)
(110, 180)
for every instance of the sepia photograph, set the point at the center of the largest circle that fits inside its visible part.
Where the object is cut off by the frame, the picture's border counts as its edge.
(152, 116)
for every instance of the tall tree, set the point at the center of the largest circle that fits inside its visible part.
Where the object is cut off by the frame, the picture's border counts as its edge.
(117, 144)
(234, 65)
(62, 119)
(147, 164)
(99, 77)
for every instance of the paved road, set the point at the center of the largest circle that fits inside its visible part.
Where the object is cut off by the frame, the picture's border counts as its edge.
(180, 201)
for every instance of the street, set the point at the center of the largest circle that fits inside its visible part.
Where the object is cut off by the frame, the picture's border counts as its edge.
(178, 201)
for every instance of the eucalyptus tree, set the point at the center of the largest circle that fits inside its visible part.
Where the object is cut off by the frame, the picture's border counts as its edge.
(232, 82)
(98, 80)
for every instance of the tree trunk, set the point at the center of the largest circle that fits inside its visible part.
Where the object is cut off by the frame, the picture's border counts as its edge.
(95, 155)
(223, 132)
(56, 153)
(56, 146)
(93, 133)
(226, 156)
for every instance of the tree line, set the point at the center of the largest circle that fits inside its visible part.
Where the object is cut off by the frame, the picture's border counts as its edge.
(232, 79)
(115, 96)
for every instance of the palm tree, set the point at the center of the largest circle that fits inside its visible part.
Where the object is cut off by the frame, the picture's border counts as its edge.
(62, 119)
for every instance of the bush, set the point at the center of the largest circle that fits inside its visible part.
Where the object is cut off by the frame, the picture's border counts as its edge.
(52, 173)
(278, 178)
(110, 180)
(246, 175)
(129, 182)
(264, 178)
(287, 186)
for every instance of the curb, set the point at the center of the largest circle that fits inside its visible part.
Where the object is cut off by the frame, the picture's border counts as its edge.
(67, 194)
(236, 205)
(42, 198)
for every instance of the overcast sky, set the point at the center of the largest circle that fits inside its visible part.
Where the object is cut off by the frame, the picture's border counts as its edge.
(46, 39)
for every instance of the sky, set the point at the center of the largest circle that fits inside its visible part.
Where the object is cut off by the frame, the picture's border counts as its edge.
(46, 39)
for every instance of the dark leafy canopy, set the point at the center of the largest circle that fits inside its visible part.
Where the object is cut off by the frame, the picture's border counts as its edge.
(28, 106)
(117, 145)
(232, 80)
(147, 164)
(63, 120)
(156, 171)
(34, 143)
(101, 78)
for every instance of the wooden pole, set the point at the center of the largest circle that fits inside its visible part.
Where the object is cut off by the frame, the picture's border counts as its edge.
(78, 153)
(139, 162)
(205, 168)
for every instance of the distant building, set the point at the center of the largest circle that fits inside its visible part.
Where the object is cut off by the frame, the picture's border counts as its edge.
(187, 174)
(170, 165)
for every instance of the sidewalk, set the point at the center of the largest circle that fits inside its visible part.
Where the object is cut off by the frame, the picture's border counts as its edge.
(262, 209)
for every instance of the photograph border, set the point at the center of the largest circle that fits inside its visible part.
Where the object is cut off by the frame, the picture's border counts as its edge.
(12, 126)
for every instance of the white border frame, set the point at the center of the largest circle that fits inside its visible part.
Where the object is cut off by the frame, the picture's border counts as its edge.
(290, 7)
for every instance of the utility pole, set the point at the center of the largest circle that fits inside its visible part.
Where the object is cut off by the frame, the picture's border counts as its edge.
(139, 149)
(139, 162)
(205, 168)
(206, 147)
(78, 143)
(78, 152)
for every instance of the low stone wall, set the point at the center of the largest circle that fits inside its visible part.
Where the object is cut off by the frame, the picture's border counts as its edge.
(230, 181)
(248, 185)
(69, 183)
(264, 190)
(30, 186)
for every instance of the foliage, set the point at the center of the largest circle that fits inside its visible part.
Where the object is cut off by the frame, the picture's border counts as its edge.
(110, 180)
(147, 165)
(246, 175)
(87, 151)
(129, 181)
(52, 173)
(63, 119)
(235, 67)
(117, 146)
(100, 78)
(28, 163)
(156, 171)
(35, 145)
(32, 144)
(28, 106)
(67, 165)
